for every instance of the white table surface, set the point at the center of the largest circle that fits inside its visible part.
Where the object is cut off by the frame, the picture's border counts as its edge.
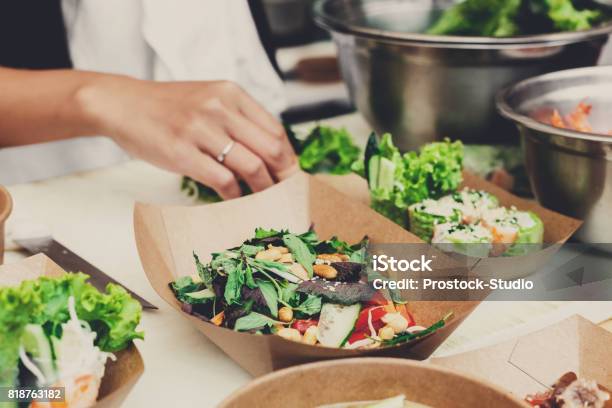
(91, 213)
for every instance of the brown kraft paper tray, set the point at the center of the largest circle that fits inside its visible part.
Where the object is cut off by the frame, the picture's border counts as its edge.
(120, 375)
(167, 236)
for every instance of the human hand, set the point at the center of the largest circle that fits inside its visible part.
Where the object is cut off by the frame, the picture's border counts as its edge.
(184, 127)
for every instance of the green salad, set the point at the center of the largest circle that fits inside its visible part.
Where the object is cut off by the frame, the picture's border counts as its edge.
(61, 331)
(506, 18)
(301, 288)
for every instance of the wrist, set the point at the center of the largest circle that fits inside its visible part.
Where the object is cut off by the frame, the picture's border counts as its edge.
(96, 104)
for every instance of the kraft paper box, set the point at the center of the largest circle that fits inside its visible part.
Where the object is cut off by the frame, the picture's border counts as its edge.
(558, 228)
(167, 236)
(120, 375)
(367, 379)
(533, 362)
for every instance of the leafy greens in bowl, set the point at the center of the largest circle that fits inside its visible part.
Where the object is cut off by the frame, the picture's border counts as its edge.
(300, 288)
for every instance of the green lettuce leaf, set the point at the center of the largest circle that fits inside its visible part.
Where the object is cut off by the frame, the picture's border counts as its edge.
(328, 150)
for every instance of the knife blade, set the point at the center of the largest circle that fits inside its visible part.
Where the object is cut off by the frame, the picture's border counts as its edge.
(72, 262)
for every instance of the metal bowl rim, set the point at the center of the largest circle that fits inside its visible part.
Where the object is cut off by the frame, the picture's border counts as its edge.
(504, 108)
(331, 23)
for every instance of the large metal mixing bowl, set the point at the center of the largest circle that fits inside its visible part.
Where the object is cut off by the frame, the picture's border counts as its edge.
(570, 172)
(422, 87)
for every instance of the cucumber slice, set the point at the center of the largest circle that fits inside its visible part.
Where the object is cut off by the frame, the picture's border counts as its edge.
(203, 294)
(36, 343)
(336, 323)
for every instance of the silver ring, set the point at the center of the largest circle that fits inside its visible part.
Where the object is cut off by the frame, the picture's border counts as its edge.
(225, 152)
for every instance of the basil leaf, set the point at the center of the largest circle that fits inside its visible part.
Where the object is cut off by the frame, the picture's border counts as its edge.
(263, 233)
(249, 276)
(311, 306)
(252, 321)
(288, 291)
(269, 293)
(300, 251)
(235, 280)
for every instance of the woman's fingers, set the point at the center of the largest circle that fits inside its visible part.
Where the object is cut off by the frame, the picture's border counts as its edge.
(213, 140)
(203, 168)
(271, 149)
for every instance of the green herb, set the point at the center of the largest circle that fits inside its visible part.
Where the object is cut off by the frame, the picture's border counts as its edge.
(254, 321)
(310, 306)
(204, 272)
(403, 338)
(235, 280)
(270, 295)
(300, 251)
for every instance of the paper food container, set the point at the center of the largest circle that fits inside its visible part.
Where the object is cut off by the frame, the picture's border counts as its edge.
(120, 375)
(6, 205)
(167, 236)
(533, 362)
(367, 379)
(558, 228)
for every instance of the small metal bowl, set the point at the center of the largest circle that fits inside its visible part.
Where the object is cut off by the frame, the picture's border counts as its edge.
(570, 172)
(425, 87)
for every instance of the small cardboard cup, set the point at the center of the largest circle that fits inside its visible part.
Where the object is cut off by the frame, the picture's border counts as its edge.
(558, 228)
(533, 362)
(167, 236)
(6, 205)
(368, 379)
(120, 375)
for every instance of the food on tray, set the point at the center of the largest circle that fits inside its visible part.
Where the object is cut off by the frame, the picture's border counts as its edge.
(397, 181)
(60, 332)
(419, 191)
(399, 401)
(506, 18)
(323, 150)
(572, 392)
(300, 288)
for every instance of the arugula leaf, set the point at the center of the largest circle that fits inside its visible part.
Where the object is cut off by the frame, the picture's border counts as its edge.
(261, 233)
(310, 306)
(288, 292)
(270, 295)
(250, 282)
(253, 321)
(300, 251)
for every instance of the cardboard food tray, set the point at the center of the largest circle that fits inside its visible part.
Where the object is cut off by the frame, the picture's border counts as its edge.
(534, 362)
(167, 236)
(367, 379)
(120, 375)
(6, 205)
(558, 228)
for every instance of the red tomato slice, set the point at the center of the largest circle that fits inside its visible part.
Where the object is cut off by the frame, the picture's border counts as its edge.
(303, 324)
(362, 321)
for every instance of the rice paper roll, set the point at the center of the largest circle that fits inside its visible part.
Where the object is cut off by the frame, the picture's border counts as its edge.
(424, 216)
(519, 231)
(472, 240)
(472, 204)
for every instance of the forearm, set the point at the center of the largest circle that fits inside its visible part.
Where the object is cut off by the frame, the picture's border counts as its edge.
(41, 106)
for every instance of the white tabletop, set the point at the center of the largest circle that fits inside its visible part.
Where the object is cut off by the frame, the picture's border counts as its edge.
(91, 213)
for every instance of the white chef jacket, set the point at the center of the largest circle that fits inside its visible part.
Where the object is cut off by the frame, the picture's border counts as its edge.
(149, 39)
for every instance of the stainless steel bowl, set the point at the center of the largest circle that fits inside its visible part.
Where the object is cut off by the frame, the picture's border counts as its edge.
(422, 87)
(570, 172)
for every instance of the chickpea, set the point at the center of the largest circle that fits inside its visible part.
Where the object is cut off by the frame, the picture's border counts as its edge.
(290, 334)
(286, 258)
(386, 333)
(285, 314)
(330, 257)
(311, 335)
